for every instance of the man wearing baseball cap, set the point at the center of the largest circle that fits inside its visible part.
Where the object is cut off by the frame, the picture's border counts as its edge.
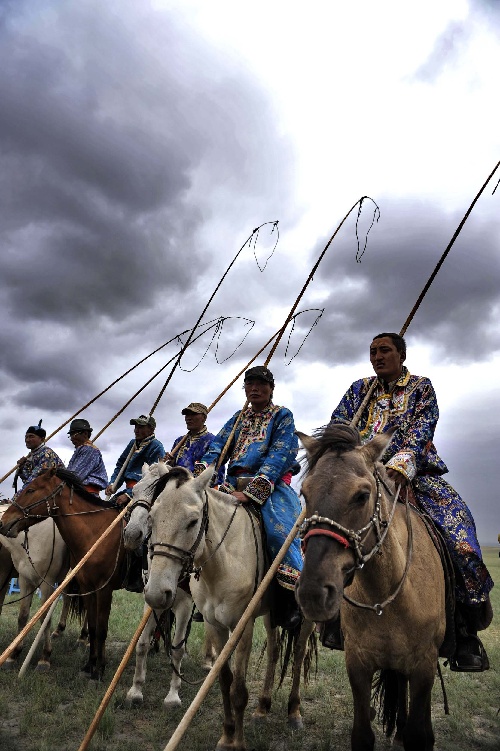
(40, 457)
(86, 462)
(197, 442)
(144, 448)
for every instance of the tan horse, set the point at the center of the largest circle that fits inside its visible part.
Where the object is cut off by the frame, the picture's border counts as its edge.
(393, 606)
(229, 564)
(40, 560)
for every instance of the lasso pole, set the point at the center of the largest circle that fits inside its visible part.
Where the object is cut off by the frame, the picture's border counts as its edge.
(55, 594)
(109, 693)
(101, 393)
(370, 391)
(224, 451)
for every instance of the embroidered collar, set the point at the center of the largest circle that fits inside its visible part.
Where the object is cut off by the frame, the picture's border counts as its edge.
(268, 410)
(402, 380)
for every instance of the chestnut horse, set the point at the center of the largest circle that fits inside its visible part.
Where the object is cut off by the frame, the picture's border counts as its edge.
(359, 539)
(81, 518)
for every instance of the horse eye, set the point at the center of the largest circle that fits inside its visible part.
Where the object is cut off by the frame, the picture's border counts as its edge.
(192, 524)
(361, 498)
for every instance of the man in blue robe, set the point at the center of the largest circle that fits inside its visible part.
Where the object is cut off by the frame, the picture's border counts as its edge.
(261, 459)
(87, 462)
(409, 403)
(196, 443)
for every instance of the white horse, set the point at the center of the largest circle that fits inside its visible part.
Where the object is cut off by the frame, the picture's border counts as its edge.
(40, 560)
(193, 524)
(136, 531)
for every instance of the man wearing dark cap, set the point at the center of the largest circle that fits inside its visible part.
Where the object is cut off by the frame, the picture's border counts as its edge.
(196, 443)
(143, 449)
(86, 461)
(40, 457)
(261, 460)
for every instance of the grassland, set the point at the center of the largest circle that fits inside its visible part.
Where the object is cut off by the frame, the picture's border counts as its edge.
(53, 711)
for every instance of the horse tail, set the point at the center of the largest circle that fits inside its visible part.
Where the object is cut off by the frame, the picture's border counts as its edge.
(77, 609)
(288, 641)
(385, 695)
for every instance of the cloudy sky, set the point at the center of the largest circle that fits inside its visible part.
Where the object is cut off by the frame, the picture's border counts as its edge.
(142, 142)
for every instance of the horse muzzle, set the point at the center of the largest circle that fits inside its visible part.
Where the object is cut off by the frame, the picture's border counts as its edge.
(8, 529)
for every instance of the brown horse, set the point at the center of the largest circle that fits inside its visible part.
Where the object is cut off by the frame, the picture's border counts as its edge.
(81, 518)
(359, 539)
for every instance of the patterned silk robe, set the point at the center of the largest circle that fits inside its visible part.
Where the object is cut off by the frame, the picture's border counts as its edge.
(411, 406)
(264, 448)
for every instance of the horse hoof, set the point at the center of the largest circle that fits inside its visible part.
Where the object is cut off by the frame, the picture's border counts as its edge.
(43, 667)
(9, 664)
(172, 703)
(258, 719)
(207, 665)
(295, 723)
(133, 701)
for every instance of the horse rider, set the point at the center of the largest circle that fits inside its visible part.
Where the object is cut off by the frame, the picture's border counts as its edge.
(197, 442)
(86, 461)
(261, 460)
(408, 403)
(144, 448)
(40, 457)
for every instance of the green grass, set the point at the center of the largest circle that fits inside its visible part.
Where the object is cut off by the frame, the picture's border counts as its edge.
(54, 710)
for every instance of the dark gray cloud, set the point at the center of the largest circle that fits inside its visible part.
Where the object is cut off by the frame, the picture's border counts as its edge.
(458, 315)
(122, 134)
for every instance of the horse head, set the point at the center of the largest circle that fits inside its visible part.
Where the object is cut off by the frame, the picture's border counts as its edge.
(35, 502)
(139, 524)
(341, 491)
(179, 518)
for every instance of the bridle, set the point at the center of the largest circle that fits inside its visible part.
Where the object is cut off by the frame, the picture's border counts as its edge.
(186, 557)
(355, 539)
(47, 499)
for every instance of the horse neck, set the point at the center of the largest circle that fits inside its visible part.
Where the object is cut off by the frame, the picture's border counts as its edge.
(230, 524)
(79, 521)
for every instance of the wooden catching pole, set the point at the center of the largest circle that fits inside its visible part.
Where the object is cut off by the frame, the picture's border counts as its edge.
(55, 594)
(428, 284)
(109, 693)
(37, 639)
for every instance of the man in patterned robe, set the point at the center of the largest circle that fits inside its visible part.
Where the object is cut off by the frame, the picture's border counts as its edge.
(40, 457)
(409, 403)
(261, 460)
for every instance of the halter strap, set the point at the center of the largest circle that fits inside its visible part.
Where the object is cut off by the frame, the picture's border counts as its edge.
(324, 533)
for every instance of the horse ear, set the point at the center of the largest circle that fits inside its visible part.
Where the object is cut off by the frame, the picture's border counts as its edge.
(309, 443)
(145, 469)
(204, 478)
(374, 449)
(163, 468)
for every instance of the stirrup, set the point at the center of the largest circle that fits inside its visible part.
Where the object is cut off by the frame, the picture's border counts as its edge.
(330, 634)
(470, 661)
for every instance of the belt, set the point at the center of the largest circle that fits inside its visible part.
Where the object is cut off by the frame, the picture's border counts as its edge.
(130, 483)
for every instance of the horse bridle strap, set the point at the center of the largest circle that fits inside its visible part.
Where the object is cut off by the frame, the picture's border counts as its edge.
(46, 500)
(186, 557)
(323, 533)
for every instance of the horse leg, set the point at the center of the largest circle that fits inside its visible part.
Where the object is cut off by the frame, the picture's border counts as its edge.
(182, 608)
(219, 636)
(63, 618)
(264, 703)
(44, 662)
(134, 694)
(402, 716)
(91, 607)
(83, 639)
(294, 717)
(418, 734)
(26, 593)
(104, 599)
(209, 653)
(239, 690)
(362, 735)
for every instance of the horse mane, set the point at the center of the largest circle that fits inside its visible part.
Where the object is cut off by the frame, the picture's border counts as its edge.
(74, 482)
(336, 437)
(181, 474)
